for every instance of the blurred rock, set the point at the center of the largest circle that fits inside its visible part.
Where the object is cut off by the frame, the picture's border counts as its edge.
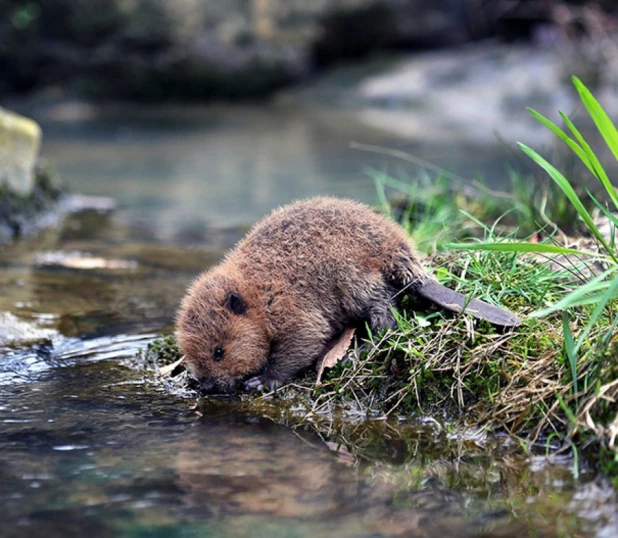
(470, 94)
(28, 196)
(475, 95)
(20, 139)
(31, 197)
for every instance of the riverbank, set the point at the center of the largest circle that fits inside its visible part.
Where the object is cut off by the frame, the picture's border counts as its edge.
(553, 378)
(463, 373)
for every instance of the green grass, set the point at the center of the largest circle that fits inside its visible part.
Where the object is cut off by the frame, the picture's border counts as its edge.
(589, 310)
(443, 365)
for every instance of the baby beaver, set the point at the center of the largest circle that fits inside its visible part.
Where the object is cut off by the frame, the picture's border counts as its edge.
(289, 289)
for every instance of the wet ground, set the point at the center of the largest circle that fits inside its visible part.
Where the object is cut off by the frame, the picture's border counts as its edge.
(92, 443)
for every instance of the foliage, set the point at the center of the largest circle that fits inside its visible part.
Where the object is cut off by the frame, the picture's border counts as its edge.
(591, 355)
(442, 209)
(162, 352)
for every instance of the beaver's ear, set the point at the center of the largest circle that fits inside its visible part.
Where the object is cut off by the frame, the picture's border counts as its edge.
(236, 304)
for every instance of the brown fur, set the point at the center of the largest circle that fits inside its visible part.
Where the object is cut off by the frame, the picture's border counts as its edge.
(303, 274)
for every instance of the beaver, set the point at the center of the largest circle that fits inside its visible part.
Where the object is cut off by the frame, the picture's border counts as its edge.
(298, 279)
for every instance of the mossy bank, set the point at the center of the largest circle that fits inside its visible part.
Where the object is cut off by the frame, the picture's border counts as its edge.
(552, 379)
(463, 373)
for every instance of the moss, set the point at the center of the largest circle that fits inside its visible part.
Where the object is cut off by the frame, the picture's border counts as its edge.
(162, 351)
(22, 215)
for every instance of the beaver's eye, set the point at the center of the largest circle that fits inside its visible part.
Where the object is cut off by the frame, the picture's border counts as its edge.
(218, 353)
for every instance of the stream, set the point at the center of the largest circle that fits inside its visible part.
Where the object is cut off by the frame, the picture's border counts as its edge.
(93, 444)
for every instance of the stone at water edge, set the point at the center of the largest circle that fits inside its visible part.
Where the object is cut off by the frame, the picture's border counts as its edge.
(20, 140)
(14, 330)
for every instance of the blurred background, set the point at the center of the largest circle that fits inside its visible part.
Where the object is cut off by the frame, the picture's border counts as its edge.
(200, 115)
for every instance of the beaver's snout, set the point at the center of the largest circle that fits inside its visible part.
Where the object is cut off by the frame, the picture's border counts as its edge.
(208, 386)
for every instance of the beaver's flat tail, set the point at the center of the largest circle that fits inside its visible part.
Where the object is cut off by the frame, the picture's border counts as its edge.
(456, 302)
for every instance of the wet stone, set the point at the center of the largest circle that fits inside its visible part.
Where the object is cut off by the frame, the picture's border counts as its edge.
(15, 331)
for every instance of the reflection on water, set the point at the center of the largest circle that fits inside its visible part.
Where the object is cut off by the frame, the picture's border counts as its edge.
(98, 448)
(92, 444)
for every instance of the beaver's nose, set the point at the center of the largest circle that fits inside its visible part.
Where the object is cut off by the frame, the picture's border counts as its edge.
(206, 385)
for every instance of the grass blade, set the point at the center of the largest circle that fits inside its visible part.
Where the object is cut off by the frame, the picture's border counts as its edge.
(568, 190)
(575, 147)
(571, 351)
(611, 293)
(380, 183)
(612, 217)
(594, 165)
(599, 116)
(586, 294)
(522, 247)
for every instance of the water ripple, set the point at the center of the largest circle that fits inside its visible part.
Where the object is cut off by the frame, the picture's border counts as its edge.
(28, 364)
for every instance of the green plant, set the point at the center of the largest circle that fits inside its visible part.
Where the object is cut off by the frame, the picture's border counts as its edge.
(599, 290)
(593, 382)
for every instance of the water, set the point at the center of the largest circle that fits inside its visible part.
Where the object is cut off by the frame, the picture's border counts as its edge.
(94, 444)
(180, 173)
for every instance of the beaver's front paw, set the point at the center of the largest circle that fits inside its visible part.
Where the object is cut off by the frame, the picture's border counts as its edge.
(261, 384)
